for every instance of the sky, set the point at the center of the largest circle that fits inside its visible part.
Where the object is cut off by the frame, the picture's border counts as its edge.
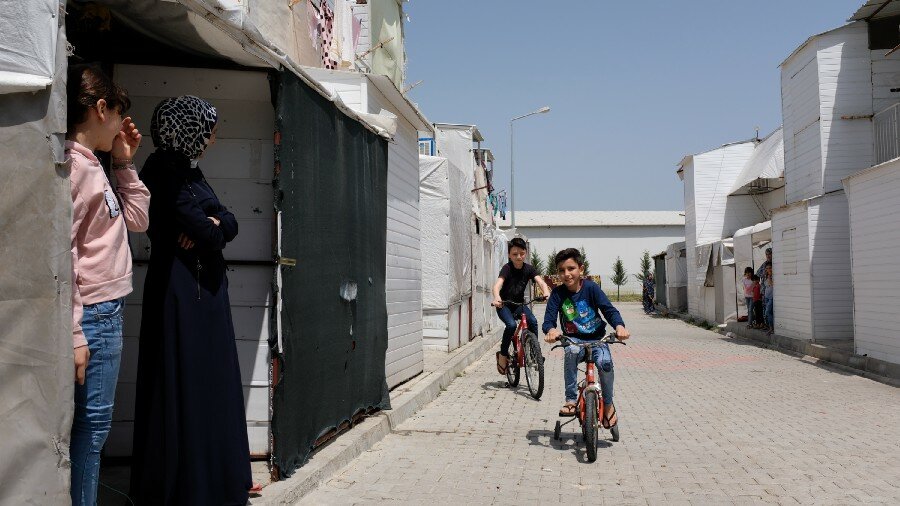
(633, 86)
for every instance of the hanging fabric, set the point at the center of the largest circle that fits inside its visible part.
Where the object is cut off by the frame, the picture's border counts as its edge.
(312, 20)
(326, 32)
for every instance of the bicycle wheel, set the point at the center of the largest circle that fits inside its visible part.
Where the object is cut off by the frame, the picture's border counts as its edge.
(589, 426)
(512, 370)
(534, 365)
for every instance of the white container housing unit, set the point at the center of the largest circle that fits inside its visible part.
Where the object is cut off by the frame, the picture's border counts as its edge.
(831, 87)
(461, 146)
(872, 197)
(711, 215)
(377, 99)
(446, 252)
(875, 239)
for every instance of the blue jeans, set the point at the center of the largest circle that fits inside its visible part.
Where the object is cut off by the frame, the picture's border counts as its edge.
(511, 314)
(749, 302)
(770, 313)
(603, 360)
(102, 324)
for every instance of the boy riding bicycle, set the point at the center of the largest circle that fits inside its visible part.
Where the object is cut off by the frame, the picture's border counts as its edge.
(510, 287)
(575, 304)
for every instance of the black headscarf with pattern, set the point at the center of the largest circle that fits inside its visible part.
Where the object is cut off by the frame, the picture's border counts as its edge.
(183, 124)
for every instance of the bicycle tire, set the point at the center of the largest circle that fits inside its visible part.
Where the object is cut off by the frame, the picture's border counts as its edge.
(534, 365)
(512, 370)
(589, 426)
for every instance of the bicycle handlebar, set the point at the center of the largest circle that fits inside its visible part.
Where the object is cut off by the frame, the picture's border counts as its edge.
(607, 339)
(527, 302)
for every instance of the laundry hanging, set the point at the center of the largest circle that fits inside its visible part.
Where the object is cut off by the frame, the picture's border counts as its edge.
(326, 32)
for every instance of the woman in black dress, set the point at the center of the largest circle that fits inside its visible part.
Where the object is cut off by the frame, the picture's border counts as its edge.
(190, 435)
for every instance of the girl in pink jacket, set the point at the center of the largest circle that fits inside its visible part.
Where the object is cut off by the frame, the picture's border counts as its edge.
(101, 258)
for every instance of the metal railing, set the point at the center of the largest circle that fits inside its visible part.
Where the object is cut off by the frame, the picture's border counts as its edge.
(887, 134)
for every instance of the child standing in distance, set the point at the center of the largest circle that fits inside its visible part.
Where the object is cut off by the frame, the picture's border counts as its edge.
(510, 286)
(757, 303)
(575, 305)
(747, 283)
(101, 258)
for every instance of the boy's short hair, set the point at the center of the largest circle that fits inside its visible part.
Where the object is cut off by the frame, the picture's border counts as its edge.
(517, 242)
(754, 278)
(748, 270)
(566, 254)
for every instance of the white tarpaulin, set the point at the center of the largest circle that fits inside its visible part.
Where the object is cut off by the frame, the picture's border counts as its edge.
(28, 34)
(455, 143)
(446, 250)
(36, 394)
(766, 162)
(676, 265)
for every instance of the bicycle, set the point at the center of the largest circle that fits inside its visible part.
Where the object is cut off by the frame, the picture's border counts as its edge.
(526, 354)
(589, 407)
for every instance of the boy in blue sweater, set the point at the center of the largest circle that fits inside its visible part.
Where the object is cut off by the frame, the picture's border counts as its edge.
(575, 304)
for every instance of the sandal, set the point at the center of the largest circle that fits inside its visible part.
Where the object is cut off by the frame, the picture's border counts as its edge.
(609, 417)
(568, 409)
(502, 363)
(256, 489)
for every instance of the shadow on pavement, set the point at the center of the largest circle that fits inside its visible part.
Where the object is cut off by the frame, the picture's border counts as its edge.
(501, 385)
(568, 441)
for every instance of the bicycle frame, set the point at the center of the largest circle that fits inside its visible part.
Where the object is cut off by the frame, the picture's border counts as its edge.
(589, 383)
(517, 341)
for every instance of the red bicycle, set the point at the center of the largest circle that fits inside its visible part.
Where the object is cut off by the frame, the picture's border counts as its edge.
(526, 355)
(589, 408)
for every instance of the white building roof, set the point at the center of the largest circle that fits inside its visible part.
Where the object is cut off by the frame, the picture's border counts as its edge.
(595, 219)
(876, 9)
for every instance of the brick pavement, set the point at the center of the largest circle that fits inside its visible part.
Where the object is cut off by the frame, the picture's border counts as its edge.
(705, 420)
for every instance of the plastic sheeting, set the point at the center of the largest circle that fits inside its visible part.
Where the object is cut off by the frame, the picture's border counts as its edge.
(35, 284)
(446, 231)
(676, 265)
(28, 44)
(766, 162)
(455, 143)
(750, 245)
(387, 27)
(332, 195)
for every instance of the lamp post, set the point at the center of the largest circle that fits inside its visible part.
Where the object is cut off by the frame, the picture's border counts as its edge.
(512, 172)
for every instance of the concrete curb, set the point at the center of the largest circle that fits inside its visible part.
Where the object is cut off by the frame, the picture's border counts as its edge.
(406, 400)
(816, 353)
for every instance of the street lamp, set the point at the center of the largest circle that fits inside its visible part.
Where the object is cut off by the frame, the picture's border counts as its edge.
(512, 172)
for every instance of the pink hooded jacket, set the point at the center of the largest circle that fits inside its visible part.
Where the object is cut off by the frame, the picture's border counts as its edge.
(101, 258)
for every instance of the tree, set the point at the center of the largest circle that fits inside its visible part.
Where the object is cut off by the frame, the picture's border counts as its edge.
(587, 265)
(551, 263)
(537, 262)
(645, 267)
(619, 277)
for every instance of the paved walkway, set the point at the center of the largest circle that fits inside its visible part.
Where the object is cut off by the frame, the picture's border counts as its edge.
(705, 420)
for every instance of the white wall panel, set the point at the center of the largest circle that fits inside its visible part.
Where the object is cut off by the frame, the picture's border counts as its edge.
(875, 241)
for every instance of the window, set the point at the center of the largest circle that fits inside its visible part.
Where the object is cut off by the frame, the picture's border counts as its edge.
(788, 252)
(884, 33)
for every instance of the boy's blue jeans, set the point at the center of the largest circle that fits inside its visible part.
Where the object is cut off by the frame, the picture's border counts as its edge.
(511, 314)
(602, 358)
(102, 324)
